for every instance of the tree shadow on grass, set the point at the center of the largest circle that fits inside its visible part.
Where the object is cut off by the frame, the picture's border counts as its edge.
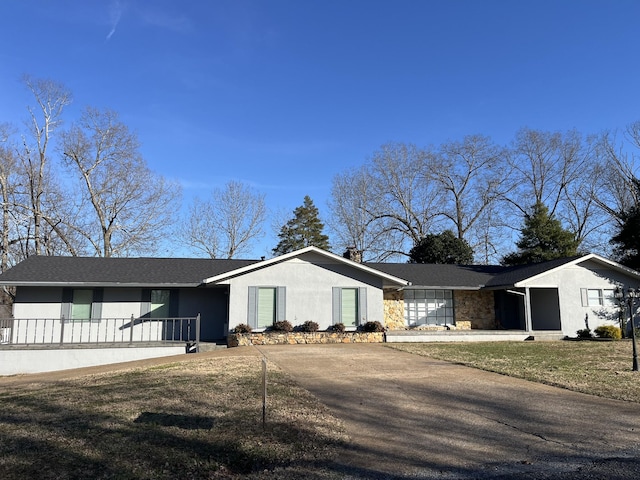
(46, 438)
(188, 422)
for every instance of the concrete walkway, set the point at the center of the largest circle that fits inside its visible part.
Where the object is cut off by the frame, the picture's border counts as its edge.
(414, 417)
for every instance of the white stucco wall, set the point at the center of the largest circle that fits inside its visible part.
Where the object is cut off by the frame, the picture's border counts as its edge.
(308, 280)
(570, 280)
(15, 362)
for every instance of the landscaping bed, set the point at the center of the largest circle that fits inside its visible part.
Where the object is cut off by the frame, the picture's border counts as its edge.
(293, 338)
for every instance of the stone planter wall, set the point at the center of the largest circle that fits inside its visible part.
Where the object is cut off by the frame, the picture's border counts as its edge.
(294, 338)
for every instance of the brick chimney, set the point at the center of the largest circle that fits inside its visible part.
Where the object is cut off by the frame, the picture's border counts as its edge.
(353, 254)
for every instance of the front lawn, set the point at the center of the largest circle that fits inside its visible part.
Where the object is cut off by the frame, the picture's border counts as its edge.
(191, 420)
(594, 367)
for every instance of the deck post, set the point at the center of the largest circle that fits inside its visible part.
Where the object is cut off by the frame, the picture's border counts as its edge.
(62, 330)
(198, 333)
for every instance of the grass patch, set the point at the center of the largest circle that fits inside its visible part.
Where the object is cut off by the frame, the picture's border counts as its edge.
(596, 368)
(184, 420)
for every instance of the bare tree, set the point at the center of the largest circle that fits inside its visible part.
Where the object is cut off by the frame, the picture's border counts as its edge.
(51, 99)
(226, 225)
(618, 171)
(473, 175)
(351, 221)
(130, 207)
(7, 193)
(561, 171)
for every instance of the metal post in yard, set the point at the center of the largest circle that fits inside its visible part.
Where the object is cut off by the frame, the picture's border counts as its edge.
(131, 332)
(264, 393)
(633, 294)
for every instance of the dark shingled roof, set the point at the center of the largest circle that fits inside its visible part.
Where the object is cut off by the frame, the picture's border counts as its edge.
(466, 276)
(43, 270)
(103, 271)
(431, 275)
(512, 275)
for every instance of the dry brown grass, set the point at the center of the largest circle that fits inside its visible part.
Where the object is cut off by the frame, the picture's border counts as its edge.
(187, 420)
(594, 367)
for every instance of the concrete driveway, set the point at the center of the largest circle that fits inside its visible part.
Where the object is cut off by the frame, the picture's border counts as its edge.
(414, 417)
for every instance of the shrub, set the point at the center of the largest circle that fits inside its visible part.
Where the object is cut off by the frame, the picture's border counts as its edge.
(308, 326)
(242, 328)
(282, 326)
(337, 327)
(584, 333)
(373, 327)
(608, 331)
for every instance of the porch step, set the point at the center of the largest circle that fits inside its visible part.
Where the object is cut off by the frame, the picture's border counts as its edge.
(211, 346)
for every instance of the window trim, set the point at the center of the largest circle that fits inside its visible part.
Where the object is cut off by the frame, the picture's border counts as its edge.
(97, 296)
(361, 305)
(605, 297)
(253, 299)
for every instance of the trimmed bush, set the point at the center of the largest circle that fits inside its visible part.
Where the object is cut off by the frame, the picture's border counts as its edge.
(242, 328)
(308, 326)
(372, 327)
(584, 333)
(608, 331)
(337, 327)
(282, 326)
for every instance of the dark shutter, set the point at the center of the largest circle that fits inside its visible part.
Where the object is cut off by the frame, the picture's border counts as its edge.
(252, 308)
(145, 302)
(96, 304)
(67, 301)
(281, 304)
(336, 305)
(174, 305)
(362, 306)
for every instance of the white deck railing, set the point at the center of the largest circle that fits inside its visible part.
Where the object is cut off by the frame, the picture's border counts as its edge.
(61, 331)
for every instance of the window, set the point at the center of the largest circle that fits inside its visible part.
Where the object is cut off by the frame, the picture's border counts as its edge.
(82, 304)
(349, 306)
(598, 297)
(160, 303)
(266, 306)
(428, 307)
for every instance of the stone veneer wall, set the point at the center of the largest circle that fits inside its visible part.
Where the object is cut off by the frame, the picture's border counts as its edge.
(393, 304)
(475, 307)
(473, 310)
(293, 338)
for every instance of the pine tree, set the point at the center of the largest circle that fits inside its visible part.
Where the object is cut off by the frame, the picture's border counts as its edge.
(443, 247)
(627, 238)
(303, 230)
(542, 238)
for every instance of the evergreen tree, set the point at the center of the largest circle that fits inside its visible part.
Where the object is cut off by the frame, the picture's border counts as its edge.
(542, 238)
(627, 238)
(303, 230)
(443, 247)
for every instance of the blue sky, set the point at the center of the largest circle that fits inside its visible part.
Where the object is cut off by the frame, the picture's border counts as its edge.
(284, 94)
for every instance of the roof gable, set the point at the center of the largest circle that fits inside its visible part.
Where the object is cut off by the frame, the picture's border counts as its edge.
(319, 256)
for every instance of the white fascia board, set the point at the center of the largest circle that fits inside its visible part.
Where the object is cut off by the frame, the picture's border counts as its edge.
(591, 256)
(297, 253)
